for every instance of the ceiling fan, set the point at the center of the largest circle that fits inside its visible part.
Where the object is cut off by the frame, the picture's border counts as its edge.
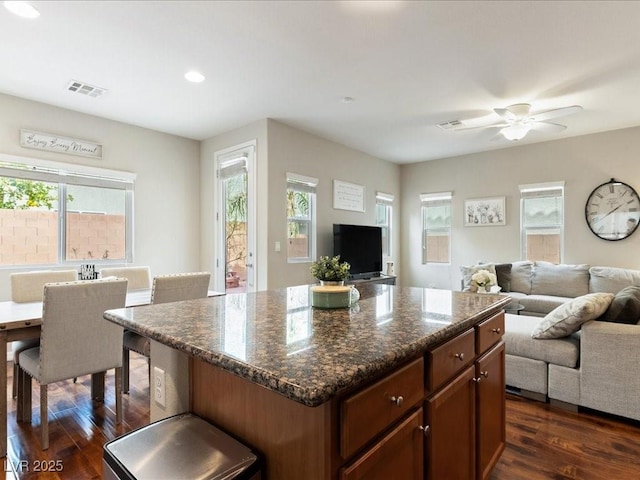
(518, 120)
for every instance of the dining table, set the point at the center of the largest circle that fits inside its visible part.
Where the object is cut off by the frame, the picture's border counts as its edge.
(21, 321)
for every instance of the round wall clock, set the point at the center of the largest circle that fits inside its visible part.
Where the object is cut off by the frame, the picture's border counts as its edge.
(613, 210)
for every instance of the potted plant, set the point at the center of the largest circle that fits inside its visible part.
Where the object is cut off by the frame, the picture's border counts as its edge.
(330, 269)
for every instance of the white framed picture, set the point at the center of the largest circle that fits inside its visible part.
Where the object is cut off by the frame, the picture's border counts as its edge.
(348, 196)
(484, 212)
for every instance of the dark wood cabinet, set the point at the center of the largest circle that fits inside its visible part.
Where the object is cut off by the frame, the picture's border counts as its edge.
(399, 454)
(450, 415)
(466, 415)
(490, 410)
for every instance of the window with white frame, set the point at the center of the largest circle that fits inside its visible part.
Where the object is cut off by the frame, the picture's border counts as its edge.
(436, 227)
(542, 221)
(59, 213)
(384, 210)
(301, 218)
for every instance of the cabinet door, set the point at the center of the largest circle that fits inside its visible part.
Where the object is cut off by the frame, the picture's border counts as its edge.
(451, 419)
(399, 454)
(490, 409)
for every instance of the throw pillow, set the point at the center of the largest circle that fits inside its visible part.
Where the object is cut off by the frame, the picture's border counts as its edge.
(503, 272)
(569, 317)
(625, 307)
(467, 273)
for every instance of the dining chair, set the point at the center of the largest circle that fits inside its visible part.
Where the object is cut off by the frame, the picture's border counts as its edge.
(75, 340)
(165, 289)
(28, 287)
(139, 277)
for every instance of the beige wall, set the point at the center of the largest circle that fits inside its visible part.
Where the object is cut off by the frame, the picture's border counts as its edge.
(582, 162)
(166, 187)
(282, 149)
(292, 150)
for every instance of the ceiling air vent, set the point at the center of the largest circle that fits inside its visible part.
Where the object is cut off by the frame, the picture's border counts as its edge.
(86, 89)
(450, 125)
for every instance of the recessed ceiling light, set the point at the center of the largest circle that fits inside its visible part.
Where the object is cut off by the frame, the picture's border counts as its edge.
(22, 9)
(193, 76)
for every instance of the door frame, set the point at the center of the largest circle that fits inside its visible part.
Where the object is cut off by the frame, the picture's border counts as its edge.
(249, 149)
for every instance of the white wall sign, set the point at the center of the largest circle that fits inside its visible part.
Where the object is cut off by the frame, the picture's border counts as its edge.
(56, 143)
(348, 196)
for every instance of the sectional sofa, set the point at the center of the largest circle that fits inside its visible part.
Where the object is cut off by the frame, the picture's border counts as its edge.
(593, 362)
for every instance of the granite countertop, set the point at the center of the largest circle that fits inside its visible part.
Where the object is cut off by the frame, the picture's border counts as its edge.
(276, 339)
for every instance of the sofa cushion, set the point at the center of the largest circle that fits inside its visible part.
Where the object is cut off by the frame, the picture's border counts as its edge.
(625, 307)
(568, 317)
(560, 280)
(612, 279)
(518, 342)
(468, 272)
(542, 304)
(521, 276)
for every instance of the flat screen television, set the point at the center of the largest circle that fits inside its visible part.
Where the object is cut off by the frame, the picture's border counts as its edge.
(361, 246)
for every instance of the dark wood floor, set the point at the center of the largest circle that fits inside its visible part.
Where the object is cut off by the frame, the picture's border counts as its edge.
(78, 428)
(543, 442)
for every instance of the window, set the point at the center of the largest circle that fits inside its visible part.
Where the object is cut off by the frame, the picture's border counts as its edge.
(53, 213)
(384, 206)
(436, 227)
(301, 213)
(542, 221)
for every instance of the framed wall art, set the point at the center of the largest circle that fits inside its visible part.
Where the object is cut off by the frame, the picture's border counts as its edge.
(348, 196)
(484, 212)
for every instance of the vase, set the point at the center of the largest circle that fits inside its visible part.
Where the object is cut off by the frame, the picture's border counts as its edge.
(482, 289)
(332, 283)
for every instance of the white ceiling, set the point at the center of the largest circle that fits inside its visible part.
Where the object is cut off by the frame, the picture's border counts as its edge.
(408, 65)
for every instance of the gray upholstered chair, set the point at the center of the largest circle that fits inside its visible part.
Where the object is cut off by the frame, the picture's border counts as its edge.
(139, 277)
(165, 289)
(75, 340)
(28, 287)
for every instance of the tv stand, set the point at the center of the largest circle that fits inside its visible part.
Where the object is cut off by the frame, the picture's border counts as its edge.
(382, 279)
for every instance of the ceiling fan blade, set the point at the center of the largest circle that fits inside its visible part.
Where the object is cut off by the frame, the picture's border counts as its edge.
(497, 137)
(547, 127)
(476, 127)
(505, 113)
(555, 113)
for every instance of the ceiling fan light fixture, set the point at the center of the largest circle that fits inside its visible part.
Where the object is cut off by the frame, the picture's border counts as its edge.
(517, 131)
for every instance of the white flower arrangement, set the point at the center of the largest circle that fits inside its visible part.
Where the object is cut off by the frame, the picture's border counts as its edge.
(484, 278)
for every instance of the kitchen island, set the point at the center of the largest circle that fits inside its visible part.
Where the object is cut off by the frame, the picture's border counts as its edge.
(381, 389)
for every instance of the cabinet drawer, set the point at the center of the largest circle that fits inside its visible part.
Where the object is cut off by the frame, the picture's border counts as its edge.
(489, 332)
(450, 358)
(372, 410)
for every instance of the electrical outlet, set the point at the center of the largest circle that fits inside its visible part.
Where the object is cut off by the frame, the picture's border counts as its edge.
(159, 393)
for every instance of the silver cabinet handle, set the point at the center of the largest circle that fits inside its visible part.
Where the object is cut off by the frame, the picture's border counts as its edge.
(398, 401)
(459, 356)
(485, 374)
(425, 430)
(477, 380)
(495, 330)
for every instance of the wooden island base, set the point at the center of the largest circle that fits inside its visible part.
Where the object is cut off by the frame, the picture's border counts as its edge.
(295, 439)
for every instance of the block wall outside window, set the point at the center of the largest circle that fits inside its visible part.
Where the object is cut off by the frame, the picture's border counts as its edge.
(30, 237)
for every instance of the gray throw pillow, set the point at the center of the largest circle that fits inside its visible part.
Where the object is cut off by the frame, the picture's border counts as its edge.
(625, 307)
(503, 274)
(569, 317)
